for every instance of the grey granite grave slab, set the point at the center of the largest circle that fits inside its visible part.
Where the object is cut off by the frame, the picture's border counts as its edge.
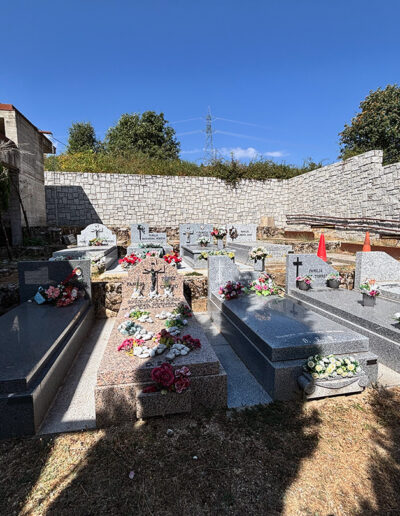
(376, 265)
(376, 323)
(135, 248)
(96, 231)
(189, 233)
(322, 388)
(390, 290)
(140, 233)
(191, 255)
(222, 269)
(107, 254)
(31, 275)
(275, 336)
(241, 233)
(277, 252)
(306, 265)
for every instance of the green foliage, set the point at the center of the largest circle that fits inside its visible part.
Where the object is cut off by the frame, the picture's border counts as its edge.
(148, 134)
(137, 163)
(376, 126)
(82, 138)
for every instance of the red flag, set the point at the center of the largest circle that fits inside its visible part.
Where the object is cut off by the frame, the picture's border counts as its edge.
(321, 253)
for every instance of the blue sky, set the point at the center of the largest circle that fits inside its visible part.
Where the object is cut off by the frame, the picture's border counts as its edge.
(297, 70)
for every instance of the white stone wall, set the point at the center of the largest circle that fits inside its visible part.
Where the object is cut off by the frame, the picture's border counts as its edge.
(358, 187)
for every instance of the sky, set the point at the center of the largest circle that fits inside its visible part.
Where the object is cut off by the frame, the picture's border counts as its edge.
(281, 77)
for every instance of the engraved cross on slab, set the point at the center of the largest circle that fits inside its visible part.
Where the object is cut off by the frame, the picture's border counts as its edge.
(188, 233)
(154, 277)
(96, 230)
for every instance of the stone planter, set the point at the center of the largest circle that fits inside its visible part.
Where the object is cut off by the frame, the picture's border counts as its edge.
(333, 283)
(322, 388)
(152, 404)
(259, 265)
(220, 243)
(368, 300)
(302, 285)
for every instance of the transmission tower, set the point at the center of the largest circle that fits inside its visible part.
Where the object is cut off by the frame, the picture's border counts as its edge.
(209, 146)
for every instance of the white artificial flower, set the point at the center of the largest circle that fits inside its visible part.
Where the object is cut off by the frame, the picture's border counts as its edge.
(351, 367)
(318, 368)
(340, 370)
(338, 363)
(315, 375)
(358, 370)
(310, 364)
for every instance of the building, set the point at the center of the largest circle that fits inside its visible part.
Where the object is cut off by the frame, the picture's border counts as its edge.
(24, 159)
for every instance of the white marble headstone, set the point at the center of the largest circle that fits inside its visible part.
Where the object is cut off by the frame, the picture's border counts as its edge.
(96, 231)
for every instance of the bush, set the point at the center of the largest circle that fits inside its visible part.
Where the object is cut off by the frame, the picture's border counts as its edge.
(228, 170)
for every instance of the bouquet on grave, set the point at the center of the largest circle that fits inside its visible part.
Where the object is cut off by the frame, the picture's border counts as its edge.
(258, 253)
(205, 254)
(65, 293)
(203, 241)
(97, 242)
(265, 286)
(183, 310)
(330, 366)
(169, 380)
(172, 258)
(369, 288)
(334, 276)
(219, 232)
(306, 279)
(231, 290)
(129, 261)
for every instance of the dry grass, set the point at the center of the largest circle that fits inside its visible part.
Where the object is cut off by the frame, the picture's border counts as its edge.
(330, 457)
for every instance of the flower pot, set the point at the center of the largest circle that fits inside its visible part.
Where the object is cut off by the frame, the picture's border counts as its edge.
(203, 245)
(259, 265)
(333, 283)
(302, 285)
(220, 243)
(368, 300)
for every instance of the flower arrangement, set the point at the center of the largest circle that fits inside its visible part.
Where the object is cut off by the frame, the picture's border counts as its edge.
(368, 288)
(153, 254)
(176, 320)
(258, 253)
(167, 380)
(137, 314)
(265, 286)
(165, 338)
(396, 317)
(129, 261)
(189, 341)
(205, 254)
(97, 242)
(203, 241)
(330, 366)
(172, 258)
(150, 245)
(306, 279)
(183, 310)
(65, 293)
(219, 232)
(334, 276)
(128, 345)
(231, 290)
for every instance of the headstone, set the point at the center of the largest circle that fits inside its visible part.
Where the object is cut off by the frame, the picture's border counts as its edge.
(378, 266)
(140, 234)
(32, 275)
(306, 265)
(221, 269)
(96, 231)
(241, 233)
(69, 239)
(190, 233)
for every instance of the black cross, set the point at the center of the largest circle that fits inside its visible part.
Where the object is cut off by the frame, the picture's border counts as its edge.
(297, 263)
(141, 230)
(96, 231)
(154, 276)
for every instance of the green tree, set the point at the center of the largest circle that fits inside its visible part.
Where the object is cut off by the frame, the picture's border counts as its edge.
(147, 134)
(81, 138)
(376, 126)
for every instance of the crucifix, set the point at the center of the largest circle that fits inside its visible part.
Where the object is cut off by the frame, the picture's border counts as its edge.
(154, 277)
(96, 231)
(188, 233)
(141, 230)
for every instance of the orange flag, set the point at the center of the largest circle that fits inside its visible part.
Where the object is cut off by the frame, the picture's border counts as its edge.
(321, 253)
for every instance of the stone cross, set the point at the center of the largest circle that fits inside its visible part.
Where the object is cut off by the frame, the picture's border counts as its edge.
(188, 233)
(154, 277)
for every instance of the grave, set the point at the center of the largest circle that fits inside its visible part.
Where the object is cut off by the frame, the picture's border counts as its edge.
(38, 345)
(238, 233)
(122, 378)
(381, 267)
(274, 336)
(277, 252)
(344, 307)
(88, 247)
(306, 265)
(193, 255)
(191, 232)
(140, 236)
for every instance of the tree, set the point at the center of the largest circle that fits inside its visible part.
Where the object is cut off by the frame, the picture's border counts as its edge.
(147, 133)
(81, 138)
(377, 126)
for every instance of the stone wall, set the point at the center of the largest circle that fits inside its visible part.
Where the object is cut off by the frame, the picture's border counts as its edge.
(357, 187)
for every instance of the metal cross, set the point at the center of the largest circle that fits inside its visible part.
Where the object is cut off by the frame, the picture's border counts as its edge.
(188, 233)
(141, 230)
(96, 230)
(297, 263)
(154, 276)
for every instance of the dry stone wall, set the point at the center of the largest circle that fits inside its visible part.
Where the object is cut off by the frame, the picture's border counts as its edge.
(358, 187)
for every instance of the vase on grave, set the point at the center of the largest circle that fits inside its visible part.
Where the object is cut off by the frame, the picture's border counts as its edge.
(368, 300)
(203, 244)
(333, 283)
(303, 285)
(259, 265)
(220, 243)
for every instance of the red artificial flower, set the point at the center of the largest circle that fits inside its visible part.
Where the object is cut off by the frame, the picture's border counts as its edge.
(163, 375)
(181, 384)
(150, 388)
